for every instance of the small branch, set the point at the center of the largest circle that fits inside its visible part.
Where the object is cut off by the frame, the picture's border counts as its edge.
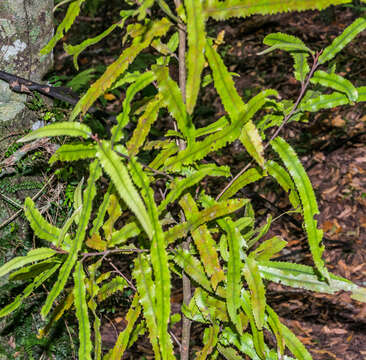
(122, 275)
(286, 119)
(299, 98)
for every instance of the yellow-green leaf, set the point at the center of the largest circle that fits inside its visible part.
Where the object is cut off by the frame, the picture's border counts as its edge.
(81, 307)
(118, 172)
(59, 129)
(196, 45)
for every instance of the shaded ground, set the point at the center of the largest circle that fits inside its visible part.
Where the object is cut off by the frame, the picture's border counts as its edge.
(332, 147)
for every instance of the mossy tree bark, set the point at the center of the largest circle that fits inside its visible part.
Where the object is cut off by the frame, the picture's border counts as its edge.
(25, 27)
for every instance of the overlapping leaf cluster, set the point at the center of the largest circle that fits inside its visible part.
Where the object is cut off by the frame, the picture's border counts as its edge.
(227, 260)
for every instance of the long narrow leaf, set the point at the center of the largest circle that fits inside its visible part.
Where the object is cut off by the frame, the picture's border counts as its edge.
(123, 338)
(221, 10)
(257, 291)
(308, 201)
(143, 126)
(42, 228)
(59, 129)
(154, 29)
(172, 98)
(118, 172)
(159, 261)
(77, 242)
(335, 82)
(122, 119)
(73, 152)
(143, 274)
(195, 55)
(81, 307)
(342, 40)
(32, 256)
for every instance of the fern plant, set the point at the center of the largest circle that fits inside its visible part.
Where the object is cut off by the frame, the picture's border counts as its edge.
(211, 242)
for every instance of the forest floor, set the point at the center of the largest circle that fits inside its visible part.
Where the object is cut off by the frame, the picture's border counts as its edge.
(331, 146)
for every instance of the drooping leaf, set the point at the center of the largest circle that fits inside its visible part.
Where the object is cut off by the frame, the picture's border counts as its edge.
(283, 42)
(95, 242)
(38, 281)
(74, 152)
(89, 194)
(124, 336)
(145, 286)
(122, 119)
(33, 255)
(308, 201)
(59, 129)
(306, 277)
(143, 126)
(118, 172)
(42, 228)
(221, 10)
(172, 98)
(342, 40)
(257, 291)
(152, 29)
(335, 82)
(31, 271)
(159, 261)
(71, 14)
(196, 45)
(81, 307)
(324, 102)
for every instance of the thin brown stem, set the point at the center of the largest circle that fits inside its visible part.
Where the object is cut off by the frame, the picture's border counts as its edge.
(304, 86)
(187, 292)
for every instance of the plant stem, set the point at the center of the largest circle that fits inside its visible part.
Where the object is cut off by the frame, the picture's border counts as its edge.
(187, 294)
